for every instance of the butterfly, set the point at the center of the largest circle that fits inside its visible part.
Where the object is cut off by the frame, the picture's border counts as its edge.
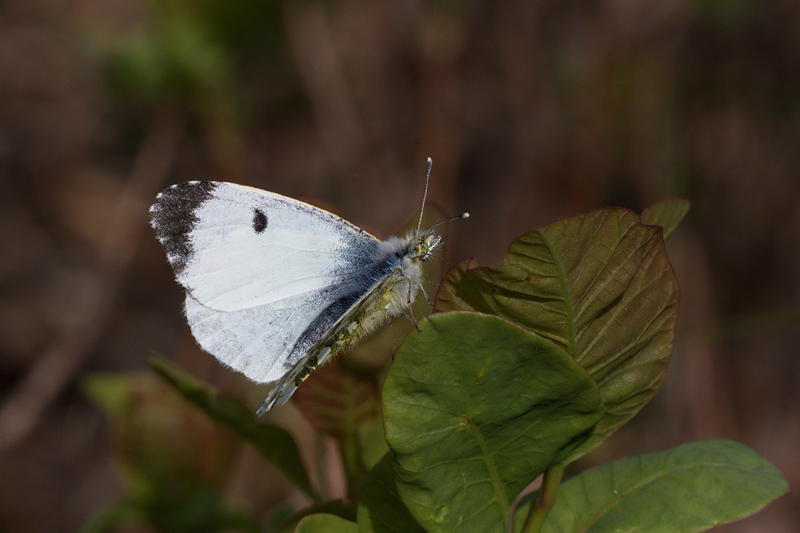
(274, 286)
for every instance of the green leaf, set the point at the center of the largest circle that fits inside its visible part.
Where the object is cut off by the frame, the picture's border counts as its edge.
(328, 523)
(380, 509)
(115, 394)
(475, 408)
(176, 61)
(195, 510)
(338, 508)
(173, 484)
(273, 442)
(667, 213)
(692, 487)
(600, 286)
(191, 509)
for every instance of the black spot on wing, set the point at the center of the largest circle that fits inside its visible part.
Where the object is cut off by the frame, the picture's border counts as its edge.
(173, 217)
(259, 220)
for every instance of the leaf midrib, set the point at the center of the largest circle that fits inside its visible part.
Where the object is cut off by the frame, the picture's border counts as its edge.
(603, 511)
(494, 477)
(570, 312)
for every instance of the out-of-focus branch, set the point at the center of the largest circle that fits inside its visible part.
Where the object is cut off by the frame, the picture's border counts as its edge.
(323, 75)
(70, 348)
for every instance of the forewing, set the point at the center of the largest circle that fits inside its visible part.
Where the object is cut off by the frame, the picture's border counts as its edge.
(234, 247)
(258, 268)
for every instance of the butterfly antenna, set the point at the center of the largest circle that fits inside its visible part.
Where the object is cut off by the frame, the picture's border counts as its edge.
(425, 194)
(462, 216)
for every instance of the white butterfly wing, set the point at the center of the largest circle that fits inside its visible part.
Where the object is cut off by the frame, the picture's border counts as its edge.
(234, 247)
(258, 269)
(256, 341)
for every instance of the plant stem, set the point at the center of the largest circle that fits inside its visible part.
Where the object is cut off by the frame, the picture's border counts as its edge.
(546, 499)
(350, 451)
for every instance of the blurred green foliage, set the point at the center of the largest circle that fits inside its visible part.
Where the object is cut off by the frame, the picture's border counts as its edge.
(173, 484)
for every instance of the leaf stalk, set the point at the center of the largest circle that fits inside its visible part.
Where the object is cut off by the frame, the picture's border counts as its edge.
(546, 500)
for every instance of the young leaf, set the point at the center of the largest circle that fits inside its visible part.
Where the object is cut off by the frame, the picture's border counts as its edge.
(337, 397)
(689, 488)
(330, 523)
(274, 443)
(345, 403)
(380, 509)
(600, 286)
(667, 213)
(475, 408)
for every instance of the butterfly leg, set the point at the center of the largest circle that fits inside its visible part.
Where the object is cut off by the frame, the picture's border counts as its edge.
(425, 294)
(412, 318)
(432, 284)
(410, 314)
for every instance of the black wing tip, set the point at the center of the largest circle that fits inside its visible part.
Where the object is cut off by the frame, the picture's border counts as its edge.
(187, 191)
(173, 217)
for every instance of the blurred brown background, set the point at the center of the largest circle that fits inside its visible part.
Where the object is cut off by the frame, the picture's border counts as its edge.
(531, 111)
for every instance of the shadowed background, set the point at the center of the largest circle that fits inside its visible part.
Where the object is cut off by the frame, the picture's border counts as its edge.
(531, 111)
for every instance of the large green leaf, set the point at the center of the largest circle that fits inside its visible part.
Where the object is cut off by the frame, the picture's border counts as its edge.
(273, 442)
(380, 509)
(667, 213)
(475, 408)
(600, 286)
(689, 488)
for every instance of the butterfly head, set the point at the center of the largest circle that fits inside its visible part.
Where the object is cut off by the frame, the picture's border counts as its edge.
(427, 242)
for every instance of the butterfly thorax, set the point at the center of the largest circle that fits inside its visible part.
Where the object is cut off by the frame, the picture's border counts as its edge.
(395, 281)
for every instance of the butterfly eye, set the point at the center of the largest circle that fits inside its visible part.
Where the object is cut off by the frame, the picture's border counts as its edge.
(422, 248)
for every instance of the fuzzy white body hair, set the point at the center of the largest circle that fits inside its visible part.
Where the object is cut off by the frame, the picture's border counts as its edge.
(409, 267)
